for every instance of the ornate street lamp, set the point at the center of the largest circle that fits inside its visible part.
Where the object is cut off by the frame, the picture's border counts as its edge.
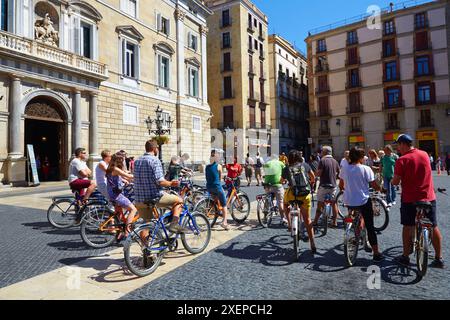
(163, 126)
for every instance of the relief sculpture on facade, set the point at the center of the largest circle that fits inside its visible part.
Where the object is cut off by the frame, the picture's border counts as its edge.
(45, 32)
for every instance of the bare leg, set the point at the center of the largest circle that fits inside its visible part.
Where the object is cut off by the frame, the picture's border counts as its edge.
(309, 226)
(319, 210)
(90, 190)
(437, 242)
(408, 233)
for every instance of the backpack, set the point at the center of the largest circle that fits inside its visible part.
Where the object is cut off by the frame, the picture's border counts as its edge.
(301, 185)
(258, 163)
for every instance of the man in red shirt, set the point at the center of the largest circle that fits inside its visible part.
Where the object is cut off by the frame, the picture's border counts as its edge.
(234, 171)
(413, 171)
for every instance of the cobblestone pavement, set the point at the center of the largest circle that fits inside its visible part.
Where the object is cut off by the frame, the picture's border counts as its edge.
(259, 265)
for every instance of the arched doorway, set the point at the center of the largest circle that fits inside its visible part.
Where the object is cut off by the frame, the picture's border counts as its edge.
(45, 129)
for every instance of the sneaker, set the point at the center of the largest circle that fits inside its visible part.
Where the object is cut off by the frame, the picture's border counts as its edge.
(176, 228)
(389, 205)
(438, 263)
(378, 257)
(394, 203)
(367, 248)
(404, 261)
(284, 221)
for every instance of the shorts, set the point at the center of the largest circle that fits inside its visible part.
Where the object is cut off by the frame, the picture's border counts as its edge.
(121, 201)
(408, 214)
(248, 172)
(220, 194)
(322, 192)
(257, 171)
(289, 196)
(79, 185)
(278, 191)
(167, 201)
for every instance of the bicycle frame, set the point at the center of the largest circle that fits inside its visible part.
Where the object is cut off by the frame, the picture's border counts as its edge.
(161, 226)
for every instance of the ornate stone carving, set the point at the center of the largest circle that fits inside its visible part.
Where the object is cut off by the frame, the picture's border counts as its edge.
(42, 110)
(204, 30)
(179, 14)
(44, 31)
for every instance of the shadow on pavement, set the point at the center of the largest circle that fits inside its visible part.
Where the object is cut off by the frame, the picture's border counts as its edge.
(270, 253)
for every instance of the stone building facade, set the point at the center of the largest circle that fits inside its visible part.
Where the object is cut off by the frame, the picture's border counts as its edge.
(89, 73)
(368, 83)
(288, 94)
(238, 71)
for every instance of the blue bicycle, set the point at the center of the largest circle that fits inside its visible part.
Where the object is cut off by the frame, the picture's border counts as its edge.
(147, 244)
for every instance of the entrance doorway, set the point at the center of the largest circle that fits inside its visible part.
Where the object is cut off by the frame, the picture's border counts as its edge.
(428, 146)
(45, 130)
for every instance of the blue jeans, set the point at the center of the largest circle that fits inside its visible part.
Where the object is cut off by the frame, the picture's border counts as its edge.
(390, 195)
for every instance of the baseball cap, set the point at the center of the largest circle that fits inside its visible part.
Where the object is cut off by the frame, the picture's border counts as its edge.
(404, 138)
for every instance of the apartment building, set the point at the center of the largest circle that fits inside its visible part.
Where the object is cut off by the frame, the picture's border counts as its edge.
(238, 74)
(288, 94)
(368, 82)
(89, 74)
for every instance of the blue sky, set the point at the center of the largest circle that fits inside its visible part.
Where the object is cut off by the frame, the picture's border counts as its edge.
(292, 19)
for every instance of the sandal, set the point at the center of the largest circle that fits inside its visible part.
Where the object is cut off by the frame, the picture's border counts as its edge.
(225, 226)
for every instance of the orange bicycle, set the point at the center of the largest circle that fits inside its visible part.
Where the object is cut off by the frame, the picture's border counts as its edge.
(237, 201)
(102, 227)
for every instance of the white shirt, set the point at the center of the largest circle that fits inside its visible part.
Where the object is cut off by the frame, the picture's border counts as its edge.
(100, 175)
(356, 182)
(344, 163)
(76, 165)
(249, 161)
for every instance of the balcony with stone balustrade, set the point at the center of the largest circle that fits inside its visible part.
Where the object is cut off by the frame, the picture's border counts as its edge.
(33, 51)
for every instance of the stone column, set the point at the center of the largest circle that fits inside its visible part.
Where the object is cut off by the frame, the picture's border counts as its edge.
(15, 115)
(94, 157)
(76, 116)
(179, 16)
(181, 83)
(15, 163)
(204, 69)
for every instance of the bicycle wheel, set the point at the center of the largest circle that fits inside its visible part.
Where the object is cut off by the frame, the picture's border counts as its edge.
(351, 243)
(380, 215)
(207, 207)
(63, 213)
(144, 257)
(422, 252)
(263, 212)
(296, 234)
(240, 208)
(198, 240)
(91, 209)
(342, 210)
(90, 229)
(323, 221)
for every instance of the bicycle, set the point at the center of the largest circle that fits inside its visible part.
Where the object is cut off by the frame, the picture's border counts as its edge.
(379, 205)
(296, 221)
(355, 235)
(266, 209)
(188, 191)
(67, 212)
(237, 200)
(143, 256)
(101, 228)
(423, 237)
(326, 216)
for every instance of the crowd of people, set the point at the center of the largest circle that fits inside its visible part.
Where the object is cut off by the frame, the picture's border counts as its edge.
(356, 174)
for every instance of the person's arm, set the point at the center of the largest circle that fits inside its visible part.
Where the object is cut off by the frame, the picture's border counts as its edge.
(159, 176)
(219, 167)
(396, 180)
(398, 173)
(123, 174)
(83, 170)
(319, 169)
(103, 166)
(312, 178)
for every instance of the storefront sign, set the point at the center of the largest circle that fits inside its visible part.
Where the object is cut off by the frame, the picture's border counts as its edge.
(426, 135)
(391, 136)
(33, 166)
(356, 139)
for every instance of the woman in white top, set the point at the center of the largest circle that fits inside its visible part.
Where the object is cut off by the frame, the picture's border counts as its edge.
(100, 173)
(355, 180)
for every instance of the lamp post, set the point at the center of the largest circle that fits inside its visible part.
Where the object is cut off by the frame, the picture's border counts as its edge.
(163, 126)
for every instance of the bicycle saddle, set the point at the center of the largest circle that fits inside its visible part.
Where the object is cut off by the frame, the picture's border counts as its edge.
(152, 202)
(294, 202)
(423, 205)
(327, 186)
